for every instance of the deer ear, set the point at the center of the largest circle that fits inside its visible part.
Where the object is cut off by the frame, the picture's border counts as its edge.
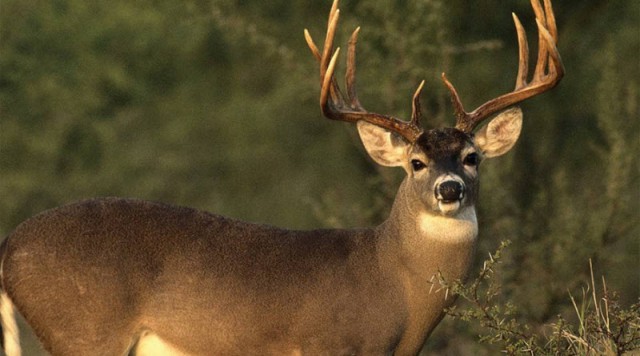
(500, 134)
(385, 147)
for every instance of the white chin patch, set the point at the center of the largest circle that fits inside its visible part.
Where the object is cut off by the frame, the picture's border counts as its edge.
(459, 227)
(449, 208)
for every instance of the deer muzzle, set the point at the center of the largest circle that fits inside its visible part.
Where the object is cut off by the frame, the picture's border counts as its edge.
(450, 190)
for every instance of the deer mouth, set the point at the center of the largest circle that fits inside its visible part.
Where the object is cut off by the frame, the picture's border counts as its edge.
(448, 208)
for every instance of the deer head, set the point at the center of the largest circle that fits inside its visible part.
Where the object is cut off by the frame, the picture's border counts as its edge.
(443, 159)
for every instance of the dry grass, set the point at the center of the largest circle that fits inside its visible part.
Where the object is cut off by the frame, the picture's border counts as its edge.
(603, 326)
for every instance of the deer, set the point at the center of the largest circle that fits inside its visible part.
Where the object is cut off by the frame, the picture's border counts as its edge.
(116, 276)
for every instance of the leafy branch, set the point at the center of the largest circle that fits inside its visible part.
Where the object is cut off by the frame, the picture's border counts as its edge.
(603, 327)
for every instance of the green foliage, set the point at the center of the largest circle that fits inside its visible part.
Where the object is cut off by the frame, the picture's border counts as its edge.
(213, 104)
(602, 326)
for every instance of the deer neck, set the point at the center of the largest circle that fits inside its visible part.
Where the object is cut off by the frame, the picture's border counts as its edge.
(416, 247)
(425, 243)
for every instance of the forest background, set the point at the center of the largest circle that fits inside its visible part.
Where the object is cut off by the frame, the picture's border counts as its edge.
(214, 104)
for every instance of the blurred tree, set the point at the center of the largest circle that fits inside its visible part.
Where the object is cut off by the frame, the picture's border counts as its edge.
(213, 104)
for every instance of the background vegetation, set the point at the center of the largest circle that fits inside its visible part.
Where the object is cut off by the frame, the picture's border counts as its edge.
(213, 104)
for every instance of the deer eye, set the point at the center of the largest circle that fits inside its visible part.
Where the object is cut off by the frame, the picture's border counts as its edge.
(472, 159)
(417, 165)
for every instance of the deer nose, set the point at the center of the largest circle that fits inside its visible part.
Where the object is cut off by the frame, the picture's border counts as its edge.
(449, 191)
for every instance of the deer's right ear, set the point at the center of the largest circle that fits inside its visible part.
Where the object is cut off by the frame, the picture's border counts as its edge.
(385, 147)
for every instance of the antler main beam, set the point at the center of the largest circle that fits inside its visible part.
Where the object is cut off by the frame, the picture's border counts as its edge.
(548, 72)
(335, 105)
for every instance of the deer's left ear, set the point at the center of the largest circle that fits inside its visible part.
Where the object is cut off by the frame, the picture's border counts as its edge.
(385, 147)
(500, 134)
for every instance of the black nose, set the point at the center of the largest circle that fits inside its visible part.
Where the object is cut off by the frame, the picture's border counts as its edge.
(450, 191)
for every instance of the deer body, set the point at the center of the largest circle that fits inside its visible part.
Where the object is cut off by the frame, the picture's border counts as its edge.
(250, 289)
(117, 276)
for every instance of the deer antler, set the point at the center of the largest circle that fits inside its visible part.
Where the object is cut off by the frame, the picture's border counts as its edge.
(549, 70)
(332, 100)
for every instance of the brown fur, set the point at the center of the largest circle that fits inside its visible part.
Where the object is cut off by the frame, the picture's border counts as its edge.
(211, 285)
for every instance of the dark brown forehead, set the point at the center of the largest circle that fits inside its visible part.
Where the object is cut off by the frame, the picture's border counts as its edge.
(443, 143)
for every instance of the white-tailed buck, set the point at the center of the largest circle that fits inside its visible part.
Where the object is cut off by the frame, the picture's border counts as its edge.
(119, 276)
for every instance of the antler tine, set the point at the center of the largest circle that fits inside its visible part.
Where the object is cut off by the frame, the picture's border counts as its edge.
(541, 21)
(350, 76)
(548, 71)
(323, 58)
(416, 111)
(551, 20)
(523, 57)
(463, 122)
(327, 84)
(332, 101)
(334, 16)
(312, 45)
